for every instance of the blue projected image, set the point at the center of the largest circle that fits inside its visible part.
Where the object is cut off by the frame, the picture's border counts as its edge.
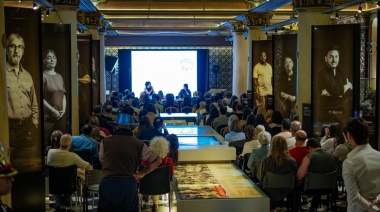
(198, 141)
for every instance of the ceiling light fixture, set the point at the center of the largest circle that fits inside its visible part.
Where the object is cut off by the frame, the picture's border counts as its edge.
(19, 0)
(34, 6)
(360, 9)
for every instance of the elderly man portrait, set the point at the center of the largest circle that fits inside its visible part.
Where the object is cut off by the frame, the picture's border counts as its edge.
(22, 99)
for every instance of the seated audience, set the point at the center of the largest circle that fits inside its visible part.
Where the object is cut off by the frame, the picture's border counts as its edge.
(294, 127)
(54, 140)
(275, 126)
(222, 119)
(173, 148)
(285, 129)
(236, 132)
(278, 162)
(60, 158)
(333, 137)
(161, 147)
(94, 121)
(252, 134)
(299, 151)
(85, 142)
(258, 154)
(214, 113)
(225, 130)
(149, 133)
(317, 161)
(108, 113)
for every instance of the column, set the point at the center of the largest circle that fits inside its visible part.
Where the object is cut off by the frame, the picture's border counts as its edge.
(255, 22)
(4, 129)
(307, 17)
(239, 52)
(102, 76)
(68, 15)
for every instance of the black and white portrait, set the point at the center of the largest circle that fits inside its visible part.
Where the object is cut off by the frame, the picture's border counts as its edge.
(56, 76)
(285, 74)
(262, 73)
(333, 73)
(23, 88)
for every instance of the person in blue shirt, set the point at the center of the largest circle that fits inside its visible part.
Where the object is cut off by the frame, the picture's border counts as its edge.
(84, 141)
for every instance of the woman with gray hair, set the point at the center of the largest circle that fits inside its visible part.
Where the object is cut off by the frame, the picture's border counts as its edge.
(161, 147)
(258, 154)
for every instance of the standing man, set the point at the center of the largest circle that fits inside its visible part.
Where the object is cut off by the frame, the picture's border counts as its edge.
(120, 155)
(6, 178)
(333, 90)
(22, 99)
(361, 169)
(262, 78)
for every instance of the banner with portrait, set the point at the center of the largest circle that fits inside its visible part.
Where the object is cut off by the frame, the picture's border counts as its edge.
(23, 66)
(335, 83)
(95, 72)
(84, 56)
(56, 81)
(262, 73)
(285, 74)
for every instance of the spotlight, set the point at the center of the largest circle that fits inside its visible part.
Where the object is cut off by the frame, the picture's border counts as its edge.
(34, 6)
(19, 0)
(360, 9)
(378, 4)
(336, 15)
(47, 12)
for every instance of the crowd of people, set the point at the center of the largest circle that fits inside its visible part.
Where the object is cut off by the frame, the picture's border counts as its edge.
(131, 128)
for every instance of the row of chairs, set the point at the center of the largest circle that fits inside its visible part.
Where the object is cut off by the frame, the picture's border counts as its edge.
(64, 180)
(315, 184)
(186, 109)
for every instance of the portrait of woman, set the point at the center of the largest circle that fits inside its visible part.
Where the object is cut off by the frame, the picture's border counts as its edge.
(54, 94)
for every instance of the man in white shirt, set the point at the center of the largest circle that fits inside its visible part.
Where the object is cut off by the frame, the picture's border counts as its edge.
(63, 157)
(361, 169)
(262, 78)
(294, 127)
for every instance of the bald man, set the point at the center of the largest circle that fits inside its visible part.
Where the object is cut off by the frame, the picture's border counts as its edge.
(294, 127)
(300, 151)
(63, 157)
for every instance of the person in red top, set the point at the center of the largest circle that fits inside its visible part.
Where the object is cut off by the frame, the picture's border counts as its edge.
(160, 146)
(300, 151)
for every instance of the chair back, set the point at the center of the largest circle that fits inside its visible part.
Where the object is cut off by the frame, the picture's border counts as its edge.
(93, 179)
(86, 155)
(273, 180)
(171, 110)
(156, 182)
(186, 109)
(96, 163)
(220, 127)
(62, 180)
(315, 181)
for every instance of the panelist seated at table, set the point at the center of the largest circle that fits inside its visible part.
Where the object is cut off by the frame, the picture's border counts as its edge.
(149, 133)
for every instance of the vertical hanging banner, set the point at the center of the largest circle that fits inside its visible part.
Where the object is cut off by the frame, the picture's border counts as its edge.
(262, 74)
(285, 74)
(95, 72)
(23, 69)
(334, 81)
(56, 83)
(84, 78)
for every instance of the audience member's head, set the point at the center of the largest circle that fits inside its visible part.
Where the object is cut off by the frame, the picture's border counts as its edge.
(313, 143)
(236, 126)
(128, 110)
(108, 109)
(249, 131)
(357, 130)
(301, 136)
(151, 116)
(231, 118)
(97, 110)
(286, 124)
(173, 147)
(93, 120)
(55, 138)
(250, 120)
(279, 150)
(295, 126)
(86, 129)
(145, 123)
(65, 141)
(158, 122)
(160, 146)
(264, 137)
(223, 110)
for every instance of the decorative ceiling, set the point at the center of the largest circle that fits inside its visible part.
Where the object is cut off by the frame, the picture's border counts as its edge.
(186, 17)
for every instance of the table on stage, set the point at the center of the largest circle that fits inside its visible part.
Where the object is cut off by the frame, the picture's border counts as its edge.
(179, 118)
